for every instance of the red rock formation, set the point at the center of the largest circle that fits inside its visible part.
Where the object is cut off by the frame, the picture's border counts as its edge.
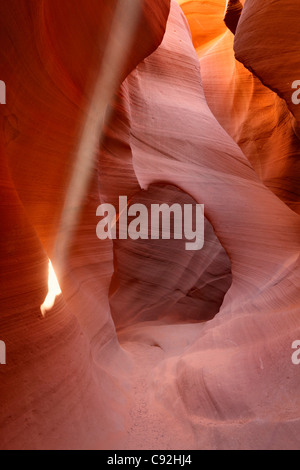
(159, 280)
(166, 379)
(52, 363)
(237, 97)
(233, 13)
(271, 51)
(45, 68)
(229, 386)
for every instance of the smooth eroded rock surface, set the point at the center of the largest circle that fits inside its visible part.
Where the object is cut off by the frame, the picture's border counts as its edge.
(151, 346)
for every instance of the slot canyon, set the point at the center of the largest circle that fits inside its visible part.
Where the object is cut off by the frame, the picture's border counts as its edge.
(141, 344)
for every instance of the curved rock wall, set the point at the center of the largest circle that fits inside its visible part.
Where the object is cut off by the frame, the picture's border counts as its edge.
(150, 346)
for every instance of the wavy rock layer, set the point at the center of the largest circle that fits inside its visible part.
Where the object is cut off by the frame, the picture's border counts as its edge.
(233, 13)
(226, 381)
(270, 51)
(115, 365)
(253, 115)
(160, 279)
(55, 393)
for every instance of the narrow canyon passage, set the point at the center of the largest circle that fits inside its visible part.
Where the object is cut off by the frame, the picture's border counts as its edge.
(191, 374)
(145, 344)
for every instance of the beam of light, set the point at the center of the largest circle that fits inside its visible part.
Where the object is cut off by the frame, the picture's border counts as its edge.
(53, 291)
(124, 27)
